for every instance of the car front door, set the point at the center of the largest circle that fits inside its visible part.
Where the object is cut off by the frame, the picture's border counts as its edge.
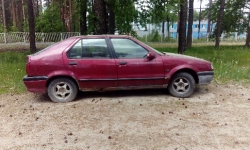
(91, 64)
(133, 67)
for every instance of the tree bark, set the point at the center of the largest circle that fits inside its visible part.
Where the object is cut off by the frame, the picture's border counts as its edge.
(23, 11)
(182, 27)
(190, 23)
(83, 17)
(100, 16)
(248, 37)
(111, 18)
(13, 13)
(209, 19)
(219, 22)
(199, 25)
(168, 28)
(70, 17)
(4, 16)
(248, 32)
(112, 22)
(163, 28)
(31, 26)
(41, 6)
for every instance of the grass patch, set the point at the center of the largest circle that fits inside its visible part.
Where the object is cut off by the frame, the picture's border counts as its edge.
(12, 70)
(231, 64)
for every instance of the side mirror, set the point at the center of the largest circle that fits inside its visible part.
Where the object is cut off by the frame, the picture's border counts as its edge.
(150, 56)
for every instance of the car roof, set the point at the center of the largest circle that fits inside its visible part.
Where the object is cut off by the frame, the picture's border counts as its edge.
(102, 36)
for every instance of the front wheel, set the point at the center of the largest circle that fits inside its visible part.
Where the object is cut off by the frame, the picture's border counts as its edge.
(62, 90)
(181, 85)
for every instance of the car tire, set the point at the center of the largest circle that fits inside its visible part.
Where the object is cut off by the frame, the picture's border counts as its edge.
(181, 85)
(62, 90)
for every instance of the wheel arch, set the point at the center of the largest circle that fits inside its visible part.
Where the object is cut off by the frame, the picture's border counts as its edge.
(61, 76)
(187, 70)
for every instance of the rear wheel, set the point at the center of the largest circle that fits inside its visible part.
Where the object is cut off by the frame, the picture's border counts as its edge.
(62, 90)
(181, 85)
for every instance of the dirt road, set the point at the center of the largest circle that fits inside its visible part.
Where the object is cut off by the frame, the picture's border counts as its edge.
(215, 117)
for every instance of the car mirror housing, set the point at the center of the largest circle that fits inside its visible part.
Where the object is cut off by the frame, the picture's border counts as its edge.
(150, 56)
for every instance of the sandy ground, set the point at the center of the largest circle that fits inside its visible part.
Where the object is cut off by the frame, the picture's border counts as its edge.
(215, 117)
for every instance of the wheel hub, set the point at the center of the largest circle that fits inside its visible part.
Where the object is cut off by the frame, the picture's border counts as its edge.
(62, 90)
(181, 85)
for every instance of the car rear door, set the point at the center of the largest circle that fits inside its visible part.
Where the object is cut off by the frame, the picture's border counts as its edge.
(133, 67)
(91, 64)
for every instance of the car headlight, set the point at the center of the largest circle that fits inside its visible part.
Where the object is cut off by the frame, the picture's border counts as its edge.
(212, 67)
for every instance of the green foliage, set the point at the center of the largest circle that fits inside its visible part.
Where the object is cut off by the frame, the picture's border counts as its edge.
(125, 14)
(234, 16)
(154, 36)
(156, 11)
(14, 29)
(49, 20)
(1, 28)
(203, 15)
(12, 71)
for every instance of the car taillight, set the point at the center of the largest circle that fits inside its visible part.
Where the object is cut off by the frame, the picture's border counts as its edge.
(27, 59)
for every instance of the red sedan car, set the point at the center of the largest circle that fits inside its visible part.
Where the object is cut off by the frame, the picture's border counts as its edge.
(107, 62)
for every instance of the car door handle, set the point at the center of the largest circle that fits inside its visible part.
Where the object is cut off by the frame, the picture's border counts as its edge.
(123, 63)
(72, 63)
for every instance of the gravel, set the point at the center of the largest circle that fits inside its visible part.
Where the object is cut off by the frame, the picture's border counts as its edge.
(215, 117)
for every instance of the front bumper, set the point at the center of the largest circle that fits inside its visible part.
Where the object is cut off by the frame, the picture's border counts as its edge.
(35, 84)
(205, 77)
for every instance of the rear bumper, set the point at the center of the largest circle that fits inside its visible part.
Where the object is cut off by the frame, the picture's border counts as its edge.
(205, 77)
(35, 84)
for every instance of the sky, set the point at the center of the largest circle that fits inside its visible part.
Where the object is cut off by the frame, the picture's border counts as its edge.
(197, 4)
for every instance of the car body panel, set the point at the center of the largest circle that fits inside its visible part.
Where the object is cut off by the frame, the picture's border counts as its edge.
(35, 84)
(94, 73)
(140, 72)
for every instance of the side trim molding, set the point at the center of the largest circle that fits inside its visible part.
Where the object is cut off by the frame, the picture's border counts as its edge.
(35, 78)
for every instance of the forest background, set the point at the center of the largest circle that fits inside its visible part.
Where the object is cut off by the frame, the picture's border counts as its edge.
(119, 16)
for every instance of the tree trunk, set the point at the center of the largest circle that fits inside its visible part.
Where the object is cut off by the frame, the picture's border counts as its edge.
(70, 17)
(111, 18)
(248, 32)
(4, 16)
(41, 6)
(83, 17)
(199, 25)
(163, 28)
(13, 13)
(37, 8)
(23, 11)
(248, 37)
(64, 14)
(190, 24)
(100, 16)
(219, 22)
(182, 28)
(31, 27)
(209, 19)
(112, 22)
(168, 28)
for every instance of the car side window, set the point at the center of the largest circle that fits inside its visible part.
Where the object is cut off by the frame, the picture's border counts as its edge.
(75, 51)
(126, 48)
(89, 48)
